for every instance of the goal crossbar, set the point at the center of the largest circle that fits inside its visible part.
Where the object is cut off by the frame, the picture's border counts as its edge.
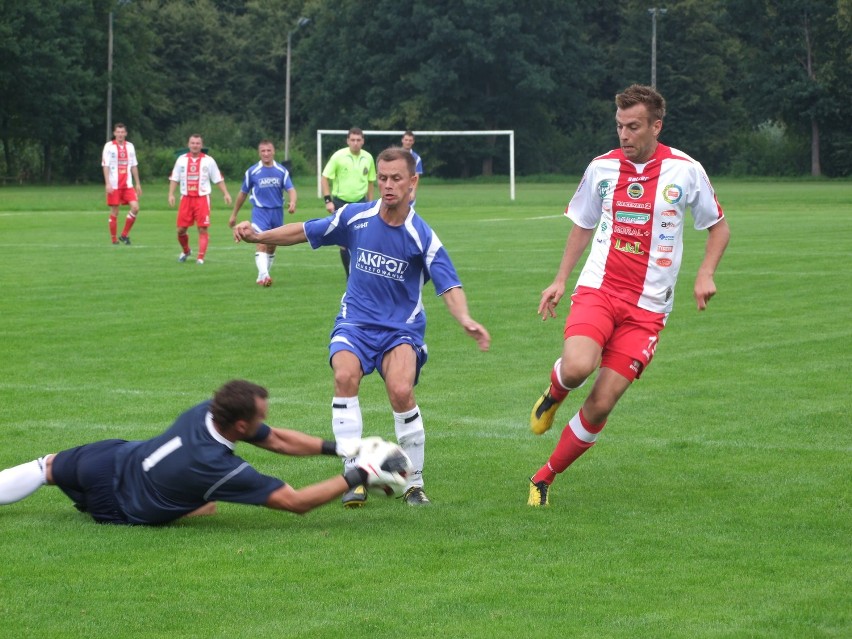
(510, 133)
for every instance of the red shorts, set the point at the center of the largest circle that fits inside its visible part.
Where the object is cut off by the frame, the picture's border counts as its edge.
(627, 334)
(194, 210)
(120, 197)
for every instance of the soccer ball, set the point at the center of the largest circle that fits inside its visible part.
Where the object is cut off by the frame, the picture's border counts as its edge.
(387, 465)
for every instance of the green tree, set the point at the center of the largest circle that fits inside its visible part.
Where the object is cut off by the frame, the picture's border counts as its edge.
(49, 90)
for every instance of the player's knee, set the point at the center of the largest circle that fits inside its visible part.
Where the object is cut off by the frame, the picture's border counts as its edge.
(345, 383)
(401, 396)
(575, 371)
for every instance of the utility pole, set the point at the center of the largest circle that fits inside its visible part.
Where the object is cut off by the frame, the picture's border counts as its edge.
(654, 11)
(109, 82)
(301, 23)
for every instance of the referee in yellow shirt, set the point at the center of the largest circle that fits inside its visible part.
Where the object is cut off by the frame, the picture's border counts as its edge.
(348, 177)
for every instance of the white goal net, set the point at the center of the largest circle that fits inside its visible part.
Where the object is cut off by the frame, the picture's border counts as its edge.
(510, 134)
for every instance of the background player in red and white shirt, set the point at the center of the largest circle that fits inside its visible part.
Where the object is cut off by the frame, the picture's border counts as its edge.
(121, 177)
(632, 202)
(196, 172)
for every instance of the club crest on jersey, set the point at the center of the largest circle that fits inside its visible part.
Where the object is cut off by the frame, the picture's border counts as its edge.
(604, 188)
(672, 193)
(382, 265)
(635, 191)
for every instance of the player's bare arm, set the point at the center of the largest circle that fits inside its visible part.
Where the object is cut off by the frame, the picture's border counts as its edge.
(291, 442)
(302, 500)
(286, 235)
(456, 302)
(106, 180)
(291, 200)
(578, 240)
(172, 185)
(326, 194)
(225, 193)
(238, 203)
(137, 183)
(717, 241)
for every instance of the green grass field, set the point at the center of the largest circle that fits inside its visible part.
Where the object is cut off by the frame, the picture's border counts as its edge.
(715, 504)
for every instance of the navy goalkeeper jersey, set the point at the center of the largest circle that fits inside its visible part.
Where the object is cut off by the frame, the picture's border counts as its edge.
(161, 479)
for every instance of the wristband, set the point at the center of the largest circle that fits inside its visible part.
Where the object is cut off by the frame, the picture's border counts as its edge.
(329, 447)
(355, 477)
(327, 198)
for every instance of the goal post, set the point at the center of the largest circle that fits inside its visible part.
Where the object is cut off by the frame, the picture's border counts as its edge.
(509, 133)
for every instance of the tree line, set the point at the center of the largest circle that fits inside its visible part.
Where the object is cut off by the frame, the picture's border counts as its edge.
(754, 87)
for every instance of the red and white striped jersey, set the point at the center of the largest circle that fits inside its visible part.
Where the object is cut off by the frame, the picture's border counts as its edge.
(640, 212)
(120, 158)
(196, 176)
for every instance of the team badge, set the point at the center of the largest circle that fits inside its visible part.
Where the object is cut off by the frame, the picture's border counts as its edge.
(604, 188)
(635, 191)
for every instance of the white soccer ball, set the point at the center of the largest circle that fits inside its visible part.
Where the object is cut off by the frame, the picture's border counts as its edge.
(387, 466)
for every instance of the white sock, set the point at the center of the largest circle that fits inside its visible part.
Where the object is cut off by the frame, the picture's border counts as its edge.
(412, 438)
(269, 260)
(346, 423)
(262, 262)
(22, 481)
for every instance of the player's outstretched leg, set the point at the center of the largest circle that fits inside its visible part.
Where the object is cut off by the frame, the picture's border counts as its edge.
(23, 480)
(348, 426)
(544, 410)
(412, 439)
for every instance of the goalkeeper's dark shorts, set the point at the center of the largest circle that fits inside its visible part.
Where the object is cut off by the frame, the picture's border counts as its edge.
(86, 474)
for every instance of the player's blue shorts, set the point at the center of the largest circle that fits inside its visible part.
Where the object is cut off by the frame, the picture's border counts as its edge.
(370, 345)
(86, 474)
(265, 219)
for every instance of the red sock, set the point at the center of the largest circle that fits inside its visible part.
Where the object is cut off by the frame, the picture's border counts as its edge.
(113, 227)
(557, 390)
(128, 224)
(184, 242)
(569, 447)
(203, 239)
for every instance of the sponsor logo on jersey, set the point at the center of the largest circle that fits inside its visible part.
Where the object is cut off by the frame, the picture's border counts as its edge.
(635, 191)
(665, 248)
(382, 265)
(666, 238)
(645, 206)
(604, 227)
(631, 218)
(269, 181)
(361, 225)
(669, 213)
(604, 188)
(672, 193)
(634, 248)
(629, 230)
(667, 225)
(663, 261)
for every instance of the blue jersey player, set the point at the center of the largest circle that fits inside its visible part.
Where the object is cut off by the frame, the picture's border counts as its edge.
(381, 324)
(265, 184)
(189, 467)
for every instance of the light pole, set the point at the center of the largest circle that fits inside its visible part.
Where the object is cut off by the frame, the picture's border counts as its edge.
(300, 23)
(109, 82)
(654, 11)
